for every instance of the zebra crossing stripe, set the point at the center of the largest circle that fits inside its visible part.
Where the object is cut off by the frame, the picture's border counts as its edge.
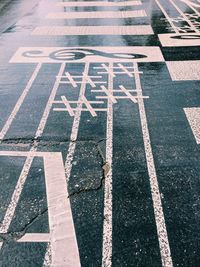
(99, 3)
(93, 30)
(97, 14)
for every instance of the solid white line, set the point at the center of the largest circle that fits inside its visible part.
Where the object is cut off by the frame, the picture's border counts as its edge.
(75, 127)
(107, 223)
(62, 233)
(93, 30)
(16, 194)
(99, 3)
(19, 102)
(155, 192)
(97, 14)
(49, 104)
(27, 165)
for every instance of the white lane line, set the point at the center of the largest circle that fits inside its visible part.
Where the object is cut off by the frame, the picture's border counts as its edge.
(167, 16)
(192, 6)
(16, 194)
(27, 165)
(62, 233)
(107, 223)
(192, 3)
(19, 102)
(97, 14)
(99, 3)
(63, 241)
(193, 117)
(75, 127)
(155, 192)
(93, 30)
(185, 17)
(69, 251)
(49, 103)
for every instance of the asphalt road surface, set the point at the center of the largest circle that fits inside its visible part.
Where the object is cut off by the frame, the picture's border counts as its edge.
(100, 133)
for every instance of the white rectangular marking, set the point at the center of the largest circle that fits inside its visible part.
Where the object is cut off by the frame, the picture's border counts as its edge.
(97, 14)
(181, 39)
(184, 70)
(193, 117)
(62, 233)
(92, 54)
(93, 30)
(32, 237)
(99, 3)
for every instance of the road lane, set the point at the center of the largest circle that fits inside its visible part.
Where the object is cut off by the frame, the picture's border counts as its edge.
(99, 147)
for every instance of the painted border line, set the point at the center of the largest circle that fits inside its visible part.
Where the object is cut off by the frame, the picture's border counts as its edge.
(155, 192)
(93, 30)
(97, 14)
(99, 3)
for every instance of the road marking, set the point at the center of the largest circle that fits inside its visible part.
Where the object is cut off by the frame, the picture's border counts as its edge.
(75, 127)
(93, 30)
(181, 39)
(167, 16)
(72, 249)
(27, 165)
(155, 192)
(19, 102)
(182, 15)
(185, 17)
(184, 70)
(107, 223)
(38, 237)
(62, 233)
(97, 14)
(193, 6)
(91, 54)
(193, 117)
(99, 3)
(47, 110)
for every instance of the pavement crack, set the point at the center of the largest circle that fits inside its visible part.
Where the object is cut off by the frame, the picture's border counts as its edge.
(105, 170)
(14, 236)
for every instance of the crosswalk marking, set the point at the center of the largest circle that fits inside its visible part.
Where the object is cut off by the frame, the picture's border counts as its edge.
(92, 54)
(184, 70)
(184, 39)
(193, 116)
(97, 14)
(93, 30)
(99, 3)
